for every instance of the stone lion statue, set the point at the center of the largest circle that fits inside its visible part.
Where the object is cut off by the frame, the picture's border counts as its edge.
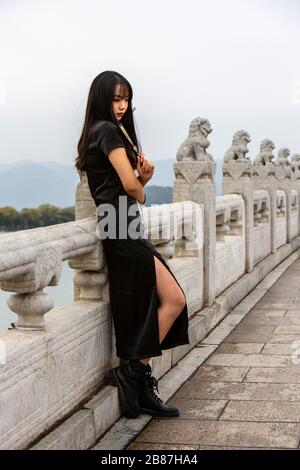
(195, 145)
(282, 157)
(239, 148)
(265, 155)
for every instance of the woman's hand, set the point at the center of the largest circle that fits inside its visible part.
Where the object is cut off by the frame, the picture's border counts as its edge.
(145, 167)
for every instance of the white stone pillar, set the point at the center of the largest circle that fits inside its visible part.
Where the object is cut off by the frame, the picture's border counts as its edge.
(195, 172)
(237, 178)
(90, 278)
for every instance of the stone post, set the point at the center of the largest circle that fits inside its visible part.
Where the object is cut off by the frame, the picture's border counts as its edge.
(237, 178)
(195, 181)
(264, 178)
(283, 178)
(90, 277)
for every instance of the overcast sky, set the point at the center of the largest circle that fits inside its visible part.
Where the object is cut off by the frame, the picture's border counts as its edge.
(235, 62)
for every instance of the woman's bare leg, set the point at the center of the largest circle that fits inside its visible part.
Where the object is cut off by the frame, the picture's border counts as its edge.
(171, 299)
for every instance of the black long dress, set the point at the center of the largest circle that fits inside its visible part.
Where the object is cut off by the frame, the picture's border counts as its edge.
(130, 261)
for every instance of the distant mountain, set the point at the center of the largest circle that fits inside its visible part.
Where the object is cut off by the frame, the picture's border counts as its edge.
(11, 166)
(28, 184)
(158, 195)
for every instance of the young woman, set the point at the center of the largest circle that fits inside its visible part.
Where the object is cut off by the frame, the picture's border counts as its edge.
(147, 303)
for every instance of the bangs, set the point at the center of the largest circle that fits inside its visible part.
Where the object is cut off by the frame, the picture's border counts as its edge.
(124, 91)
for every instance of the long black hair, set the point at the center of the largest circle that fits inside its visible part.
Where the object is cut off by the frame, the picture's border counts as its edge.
(99, 107)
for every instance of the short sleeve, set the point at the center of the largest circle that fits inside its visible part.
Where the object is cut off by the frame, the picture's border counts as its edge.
(110, 138)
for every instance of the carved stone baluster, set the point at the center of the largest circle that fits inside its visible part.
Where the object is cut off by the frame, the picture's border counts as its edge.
(223, 224)
(257, 214)
(265, 212)
(236, 221)
(237, 178)
(195, 181)
(283, 177)
(264, 178)
(30, 303)
(90, 278)
(295, 180)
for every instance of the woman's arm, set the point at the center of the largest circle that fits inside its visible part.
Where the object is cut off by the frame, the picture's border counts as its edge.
(120, 161)
(142, 180)
(145, 169)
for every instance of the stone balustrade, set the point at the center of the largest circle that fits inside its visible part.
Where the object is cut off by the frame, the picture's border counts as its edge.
(230, 245)
(31, 260)
(219, 248)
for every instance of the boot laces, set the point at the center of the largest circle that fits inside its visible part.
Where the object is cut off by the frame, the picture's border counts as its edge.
(154, 386)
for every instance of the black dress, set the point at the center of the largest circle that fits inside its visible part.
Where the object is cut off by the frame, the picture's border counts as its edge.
(130, 261)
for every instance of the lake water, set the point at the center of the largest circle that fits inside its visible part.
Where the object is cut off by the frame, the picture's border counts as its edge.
(61, 295)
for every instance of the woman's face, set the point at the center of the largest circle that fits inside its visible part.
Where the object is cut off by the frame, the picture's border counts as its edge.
(120, 102)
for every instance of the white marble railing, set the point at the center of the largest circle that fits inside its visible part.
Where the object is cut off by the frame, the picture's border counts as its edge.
(31, 260)
(56, 358)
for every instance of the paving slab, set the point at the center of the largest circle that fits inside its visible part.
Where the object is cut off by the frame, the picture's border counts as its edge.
(208, 373)
(289, 375)
(246, 434)
(255, 391)
(269, 411)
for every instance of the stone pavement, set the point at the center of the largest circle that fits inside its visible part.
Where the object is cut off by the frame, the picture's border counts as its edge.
(247, 393)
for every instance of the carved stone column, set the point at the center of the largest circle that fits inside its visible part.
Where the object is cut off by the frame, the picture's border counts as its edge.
(264, 178)
(237, 178)
(295, 179)
(84, 203)
(283, 178)
(29, 302)
(195, 172)
(90, 277)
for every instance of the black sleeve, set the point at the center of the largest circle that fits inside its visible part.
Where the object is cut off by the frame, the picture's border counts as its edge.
(110, 138)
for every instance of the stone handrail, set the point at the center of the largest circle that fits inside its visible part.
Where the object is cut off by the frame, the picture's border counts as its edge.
(175, 229)
(67, 357)
(219, 248)
(31, 260)
(229, 216)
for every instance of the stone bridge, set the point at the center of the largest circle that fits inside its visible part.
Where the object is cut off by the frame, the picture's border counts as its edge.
(236, 258)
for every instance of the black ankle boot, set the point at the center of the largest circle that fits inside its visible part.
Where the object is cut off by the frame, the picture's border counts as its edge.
(129, 380)
(150, 403)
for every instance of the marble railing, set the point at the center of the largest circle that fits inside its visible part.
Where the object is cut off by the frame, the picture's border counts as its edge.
(219, 248)
(57, 357)
(31, 260)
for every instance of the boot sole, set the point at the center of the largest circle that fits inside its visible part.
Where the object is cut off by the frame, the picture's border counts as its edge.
(161, 415)
(129, 412)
